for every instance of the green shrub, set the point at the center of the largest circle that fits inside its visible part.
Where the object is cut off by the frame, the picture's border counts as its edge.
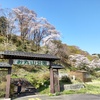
(34, 81)
(44, 90)
(97, 74)
(46, 76)
(9, 36)
(2, 86)
(19, 48)
(14, 75)
(12, 89)
(2, 93)
(1, 39)
(19, 42)
(2, 89)
(25, 47)
(14, 38)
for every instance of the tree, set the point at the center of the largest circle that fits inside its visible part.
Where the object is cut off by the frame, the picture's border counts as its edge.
(56, 47)
(24, 17)
(39, 30)
(24, 21)
(43, 32)
(81, 62)
(7, 20)
(3, 25)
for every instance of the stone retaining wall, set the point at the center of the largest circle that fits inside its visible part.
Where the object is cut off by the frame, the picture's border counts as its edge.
(72, 86)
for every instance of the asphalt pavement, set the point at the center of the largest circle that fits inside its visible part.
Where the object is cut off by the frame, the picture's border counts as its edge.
(61, 97)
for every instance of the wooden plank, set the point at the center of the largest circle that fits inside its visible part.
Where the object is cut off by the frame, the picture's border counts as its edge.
(58, 81)
(8, 86)
(8, 77)
(51, 80)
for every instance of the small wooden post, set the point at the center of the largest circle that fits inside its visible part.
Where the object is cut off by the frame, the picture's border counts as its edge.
(8, 80)
(8, 86)
(51, 80)
(58, 81)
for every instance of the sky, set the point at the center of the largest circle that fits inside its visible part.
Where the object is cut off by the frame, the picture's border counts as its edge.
(78, 21)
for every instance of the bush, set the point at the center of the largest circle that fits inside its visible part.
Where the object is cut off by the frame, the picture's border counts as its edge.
(2, 93)
(1, 39)
(2, 89)
(12, 89)
(33, 80)
(9, 36)
(14, 38)
(97, 74)
(19, 48)
(25, 47)
(46, 76)
(19, 42)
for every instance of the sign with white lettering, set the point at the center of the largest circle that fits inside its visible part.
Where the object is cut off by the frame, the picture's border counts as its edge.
(30, 62)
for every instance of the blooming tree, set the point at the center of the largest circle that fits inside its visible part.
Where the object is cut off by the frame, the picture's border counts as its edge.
(43, 32)
(24, 17)
(31, 27)
(80, 61)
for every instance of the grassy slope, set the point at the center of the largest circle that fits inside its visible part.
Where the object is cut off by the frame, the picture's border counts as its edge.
(41, 73)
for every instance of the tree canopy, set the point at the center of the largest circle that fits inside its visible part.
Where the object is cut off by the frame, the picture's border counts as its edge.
(25, 23)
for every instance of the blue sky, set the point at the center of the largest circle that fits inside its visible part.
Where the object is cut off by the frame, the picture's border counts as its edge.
(77, 20)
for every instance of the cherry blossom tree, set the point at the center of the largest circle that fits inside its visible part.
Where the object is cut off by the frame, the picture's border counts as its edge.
(43, 32)
(25, 22)
(24, 17)
(82, 62)
(33, 28)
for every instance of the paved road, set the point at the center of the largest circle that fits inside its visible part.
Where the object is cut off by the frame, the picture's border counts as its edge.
(61, 97)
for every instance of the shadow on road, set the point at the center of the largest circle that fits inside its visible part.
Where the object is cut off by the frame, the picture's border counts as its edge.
(22, 94)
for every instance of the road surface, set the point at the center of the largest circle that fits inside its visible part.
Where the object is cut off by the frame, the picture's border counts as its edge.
(61, 97)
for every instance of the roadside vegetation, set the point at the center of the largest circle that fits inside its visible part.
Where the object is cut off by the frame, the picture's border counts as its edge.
(89, 88)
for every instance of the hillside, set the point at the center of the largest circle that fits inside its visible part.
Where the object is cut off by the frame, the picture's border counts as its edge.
(38, 76)
(14, 43)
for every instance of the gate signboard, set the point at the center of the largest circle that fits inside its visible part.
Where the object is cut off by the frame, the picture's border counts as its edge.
(30, 62)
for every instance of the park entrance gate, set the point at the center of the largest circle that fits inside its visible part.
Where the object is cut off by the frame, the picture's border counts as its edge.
(15, 57)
